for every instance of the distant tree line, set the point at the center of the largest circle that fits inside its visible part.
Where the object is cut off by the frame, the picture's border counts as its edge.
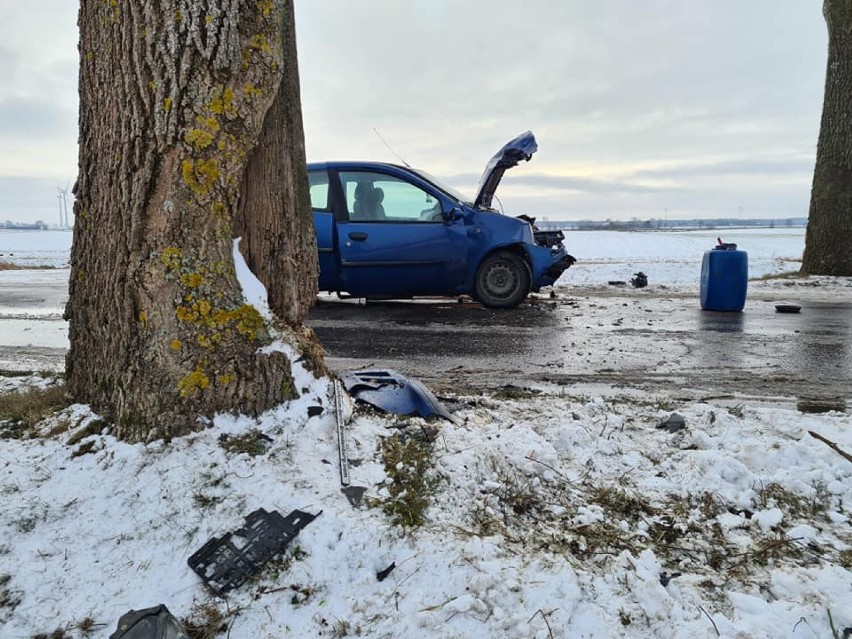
(654, 224)
(24, 226)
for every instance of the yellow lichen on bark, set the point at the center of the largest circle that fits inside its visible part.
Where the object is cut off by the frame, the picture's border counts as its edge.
(196, 380)
(200, 175)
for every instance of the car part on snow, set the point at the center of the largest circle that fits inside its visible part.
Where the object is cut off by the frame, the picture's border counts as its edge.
(225, 563)
(639, 280)
(665, 578)
(382, 574)
(150, 623)
(617, 283)
(673, 423)
(353, 493)
(393, 392)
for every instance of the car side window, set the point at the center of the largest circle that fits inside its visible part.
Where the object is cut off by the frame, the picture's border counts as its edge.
(318, 185)
(376, 197)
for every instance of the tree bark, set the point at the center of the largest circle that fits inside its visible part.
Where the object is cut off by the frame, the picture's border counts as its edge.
(190, 132)
(828, 241)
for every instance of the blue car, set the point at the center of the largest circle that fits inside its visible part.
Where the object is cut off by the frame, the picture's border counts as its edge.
(389, 232)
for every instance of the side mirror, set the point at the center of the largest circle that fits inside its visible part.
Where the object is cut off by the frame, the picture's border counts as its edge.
(454, 214)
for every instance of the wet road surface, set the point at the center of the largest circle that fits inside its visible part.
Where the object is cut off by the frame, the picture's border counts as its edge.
(604, 341)
(601, 341)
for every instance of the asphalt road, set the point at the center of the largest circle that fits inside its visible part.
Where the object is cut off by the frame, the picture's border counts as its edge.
(601, 341)
(605, 341)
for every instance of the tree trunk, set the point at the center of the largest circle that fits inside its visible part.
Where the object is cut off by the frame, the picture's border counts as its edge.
(190, 133)
(828, 241)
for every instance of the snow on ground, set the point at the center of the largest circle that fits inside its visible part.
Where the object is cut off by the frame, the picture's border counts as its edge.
(674, 257)
(548, 510)
(35, 248)
(551, 515)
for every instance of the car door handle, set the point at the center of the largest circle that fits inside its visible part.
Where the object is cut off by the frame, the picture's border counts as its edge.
(358, 237)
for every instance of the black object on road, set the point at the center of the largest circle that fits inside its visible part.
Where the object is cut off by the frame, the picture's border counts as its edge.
(787, 308)
(226, 562)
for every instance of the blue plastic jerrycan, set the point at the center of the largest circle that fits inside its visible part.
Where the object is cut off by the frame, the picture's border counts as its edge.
(724, 278)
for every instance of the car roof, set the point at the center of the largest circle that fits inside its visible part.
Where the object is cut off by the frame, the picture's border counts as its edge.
(353, 164)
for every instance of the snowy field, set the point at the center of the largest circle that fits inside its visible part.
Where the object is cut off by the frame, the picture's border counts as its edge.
(667, 257)
(674, 257)
(550, 514)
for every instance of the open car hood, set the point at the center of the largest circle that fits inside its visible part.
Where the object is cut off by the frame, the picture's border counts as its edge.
(521, 148)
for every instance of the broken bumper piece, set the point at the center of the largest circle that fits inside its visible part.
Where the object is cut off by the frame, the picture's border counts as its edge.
(558, 268)
(393, 392)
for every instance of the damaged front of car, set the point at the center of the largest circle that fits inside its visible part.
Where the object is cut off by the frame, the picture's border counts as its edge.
(543, 251)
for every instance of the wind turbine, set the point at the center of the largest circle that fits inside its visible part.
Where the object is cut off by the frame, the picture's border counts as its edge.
(62, 196)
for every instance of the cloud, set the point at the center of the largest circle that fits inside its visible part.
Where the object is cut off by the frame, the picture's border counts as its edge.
(24, 118)
(634, 104)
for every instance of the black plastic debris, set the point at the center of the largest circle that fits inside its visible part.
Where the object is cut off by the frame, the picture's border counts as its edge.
(665, 578)
(617, 283)
(313, 411)
(639, 280)
(226, 562)
(673, 423)
(787, 308)
(382, 574)
(393, 392)
(149, 623)
(354, 494)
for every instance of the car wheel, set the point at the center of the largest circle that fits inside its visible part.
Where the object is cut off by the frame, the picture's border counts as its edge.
(503, 280)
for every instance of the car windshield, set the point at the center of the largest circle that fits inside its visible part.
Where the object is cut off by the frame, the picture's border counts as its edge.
(446, 189)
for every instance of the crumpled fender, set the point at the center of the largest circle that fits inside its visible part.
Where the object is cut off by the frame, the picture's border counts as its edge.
(393, 392)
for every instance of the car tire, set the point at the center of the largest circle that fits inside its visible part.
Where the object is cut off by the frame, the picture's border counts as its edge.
(503, 280)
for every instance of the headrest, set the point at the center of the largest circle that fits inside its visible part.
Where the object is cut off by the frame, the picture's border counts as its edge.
(361, 190)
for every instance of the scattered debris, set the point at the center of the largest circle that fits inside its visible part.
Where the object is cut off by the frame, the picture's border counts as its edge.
(313, 411)
(149, 623)
(831, 445)
(223, 565)
(639, 280)
(382, 574)
(665, 578)
(787, 308)
(673, 423)
(617, 283)
(393, 392)
(354, 494)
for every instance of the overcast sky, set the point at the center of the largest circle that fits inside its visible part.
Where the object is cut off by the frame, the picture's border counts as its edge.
(694, 107)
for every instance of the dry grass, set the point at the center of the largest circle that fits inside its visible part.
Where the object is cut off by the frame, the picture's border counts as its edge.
(20, 412)
(786, 275)
(407, 460)
(205, 621)
(252, 443)
(10, 266)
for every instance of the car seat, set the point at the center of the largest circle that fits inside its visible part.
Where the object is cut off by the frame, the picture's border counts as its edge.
(368, 202)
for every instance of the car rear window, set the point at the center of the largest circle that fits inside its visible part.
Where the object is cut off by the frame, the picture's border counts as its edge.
(318, 181)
